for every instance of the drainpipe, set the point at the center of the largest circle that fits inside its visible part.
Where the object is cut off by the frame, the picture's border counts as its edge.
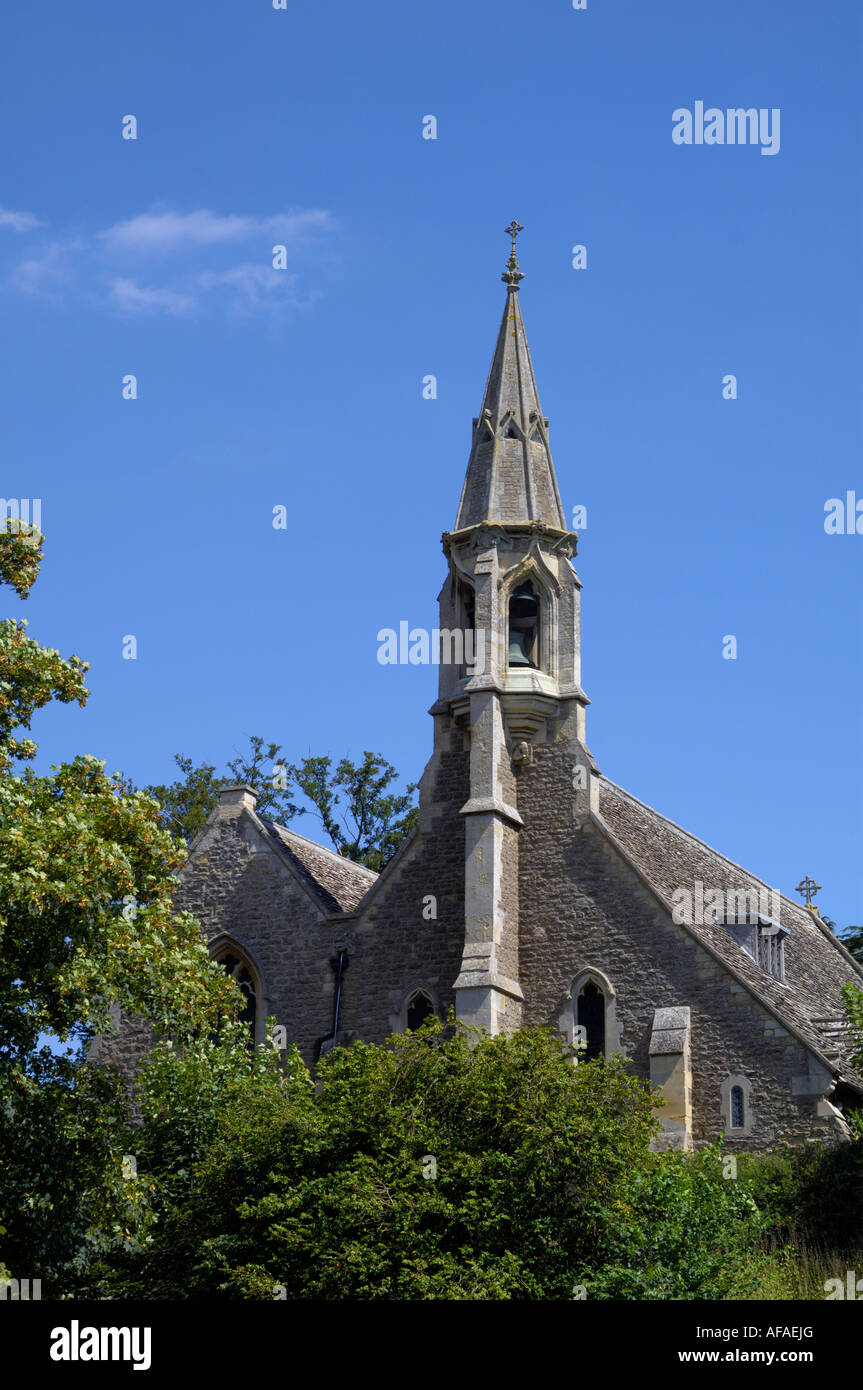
(339, 964)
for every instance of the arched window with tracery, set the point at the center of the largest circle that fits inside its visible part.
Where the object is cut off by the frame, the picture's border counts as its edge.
(234, 965)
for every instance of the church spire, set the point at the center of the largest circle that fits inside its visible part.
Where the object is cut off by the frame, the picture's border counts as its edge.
(510, 475)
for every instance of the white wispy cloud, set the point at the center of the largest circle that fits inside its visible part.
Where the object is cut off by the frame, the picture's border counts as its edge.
(19, 221)
(128, 295)
(106, 267)
(48, 270)
(252, 283)
(163, 232)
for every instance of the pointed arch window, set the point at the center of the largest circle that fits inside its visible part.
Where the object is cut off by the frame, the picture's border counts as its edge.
(466, 618)
(420, 1007)
(591, 1017)
(738, 1108)
(234, 965)
(738, 1114)
(524, 627)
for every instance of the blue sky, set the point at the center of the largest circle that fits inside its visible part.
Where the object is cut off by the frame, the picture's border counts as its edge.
(303, 387)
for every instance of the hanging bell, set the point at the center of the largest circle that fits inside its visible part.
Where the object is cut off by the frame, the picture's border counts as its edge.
(523, 606)
(517, 650)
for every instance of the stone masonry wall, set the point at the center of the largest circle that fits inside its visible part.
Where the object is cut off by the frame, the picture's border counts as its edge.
(582, 905)
(237, 883)
(394, 947)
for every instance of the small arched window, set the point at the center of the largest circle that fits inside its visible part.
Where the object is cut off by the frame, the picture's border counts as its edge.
(591, 1017)
(466, 619)
(738, 1108)
(524, 627)
(239, 971)
(420, 1007)
(468, 604)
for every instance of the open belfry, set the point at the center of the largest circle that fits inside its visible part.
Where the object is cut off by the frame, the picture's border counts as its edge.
(533, 891)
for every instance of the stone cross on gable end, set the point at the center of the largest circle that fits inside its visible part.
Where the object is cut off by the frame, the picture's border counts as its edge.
(807, 887)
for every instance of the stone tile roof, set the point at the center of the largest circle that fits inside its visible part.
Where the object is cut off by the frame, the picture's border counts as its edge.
(816, 966)
(510, 475)
(338, 883)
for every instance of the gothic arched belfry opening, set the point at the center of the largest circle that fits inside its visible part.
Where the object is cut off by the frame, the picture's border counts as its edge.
(524, 644)
(512, 548)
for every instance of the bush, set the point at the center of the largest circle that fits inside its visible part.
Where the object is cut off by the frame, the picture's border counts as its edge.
(811, 1196)
(692, 1234)
(446, 1164)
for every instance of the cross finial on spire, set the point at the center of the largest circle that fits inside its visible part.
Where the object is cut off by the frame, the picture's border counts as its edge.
(807, 887)
(513, 230)
(512, 274)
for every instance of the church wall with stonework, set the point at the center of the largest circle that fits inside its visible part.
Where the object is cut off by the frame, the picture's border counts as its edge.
(236, 883)
(393, 948)
(509, 951)
(583, 906)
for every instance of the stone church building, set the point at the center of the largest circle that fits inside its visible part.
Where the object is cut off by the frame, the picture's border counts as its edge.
(534, 890)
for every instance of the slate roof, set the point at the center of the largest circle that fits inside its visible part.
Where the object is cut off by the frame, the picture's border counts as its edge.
(338, 883)
(809, 1001)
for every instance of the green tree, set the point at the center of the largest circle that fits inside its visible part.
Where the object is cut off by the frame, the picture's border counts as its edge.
(852, 997)
(445, 1164)
(362, 818)
(86, 922)
(20, 555)
(186, 803)
(364, 821)
(853, 1000)
(30, 676)
(267, 771)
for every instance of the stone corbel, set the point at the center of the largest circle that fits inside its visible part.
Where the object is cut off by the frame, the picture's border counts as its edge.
(522, 753)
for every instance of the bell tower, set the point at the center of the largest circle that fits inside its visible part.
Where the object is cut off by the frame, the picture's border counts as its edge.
(514, 593)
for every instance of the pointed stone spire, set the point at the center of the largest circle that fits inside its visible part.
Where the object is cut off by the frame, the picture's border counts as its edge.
(510, 475)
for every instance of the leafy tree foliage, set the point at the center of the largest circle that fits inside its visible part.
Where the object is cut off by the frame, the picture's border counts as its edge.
(85, 923)
(266, 769)
(186, 803)
(20, 555)
(443, 1165)
(811, 1196)
(64, 1200)
(86, 918)
(30, 676)
(362, 818)
(853, 1000)
(689, 1233)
